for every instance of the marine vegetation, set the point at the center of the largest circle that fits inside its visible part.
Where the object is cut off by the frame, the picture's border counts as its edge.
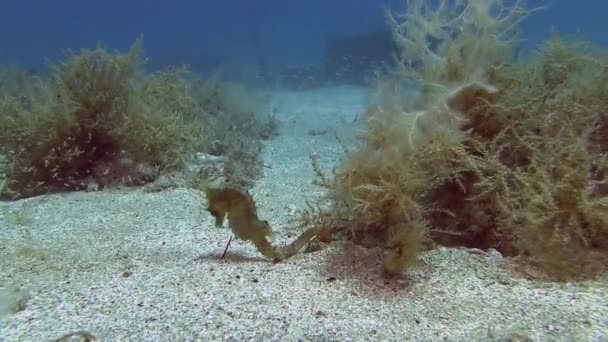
(59, 129)
(495, 153)
(97, 119)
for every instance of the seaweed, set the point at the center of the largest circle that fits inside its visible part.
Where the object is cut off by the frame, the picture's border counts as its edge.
(493, 154)
(94, 118)
(96, 121)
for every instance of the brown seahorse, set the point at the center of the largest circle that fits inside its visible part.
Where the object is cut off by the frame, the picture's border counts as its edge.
(239, 208)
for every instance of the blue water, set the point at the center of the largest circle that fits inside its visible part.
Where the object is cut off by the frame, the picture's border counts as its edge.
(286, 32)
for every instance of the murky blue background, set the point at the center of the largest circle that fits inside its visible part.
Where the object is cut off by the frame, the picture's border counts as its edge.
(277, 31)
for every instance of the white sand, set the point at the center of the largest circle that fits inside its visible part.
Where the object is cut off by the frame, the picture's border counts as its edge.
(142, 266)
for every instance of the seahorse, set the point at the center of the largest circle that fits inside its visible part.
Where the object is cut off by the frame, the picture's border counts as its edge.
(239, 208)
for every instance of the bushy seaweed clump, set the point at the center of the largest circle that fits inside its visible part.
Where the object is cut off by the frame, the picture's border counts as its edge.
(493, 154)
(544, 172)
(239, 126)
(97, 118)
(91, 118)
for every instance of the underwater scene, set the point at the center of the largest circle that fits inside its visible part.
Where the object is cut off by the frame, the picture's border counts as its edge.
(265, 170)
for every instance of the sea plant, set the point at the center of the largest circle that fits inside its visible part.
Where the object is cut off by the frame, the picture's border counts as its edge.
(93, 119)
(97, 120)
(496, 153)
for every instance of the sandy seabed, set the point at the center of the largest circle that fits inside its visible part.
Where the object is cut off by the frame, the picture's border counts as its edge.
(146, 266)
